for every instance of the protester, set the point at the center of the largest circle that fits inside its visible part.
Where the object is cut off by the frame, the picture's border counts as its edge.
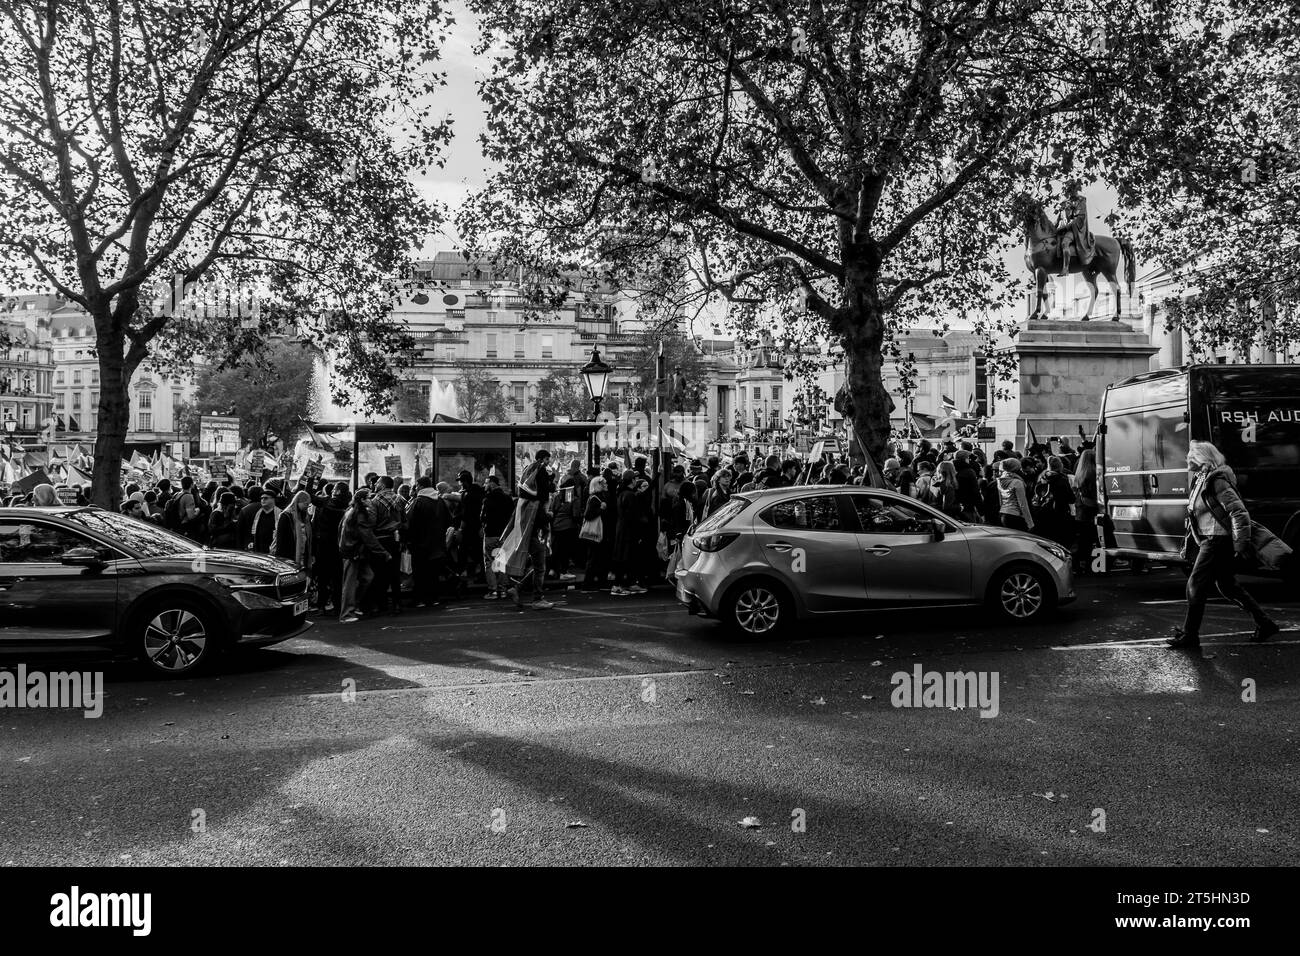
(632, 532)
(470, 526)
(597, 511)
(1085, 480)
(293, 532)
(566, 519)
(328, 563)
(1053, 507)
(266, 518)
(389, 513)
(1013, 501)
(223, 524)
(719, 493)
(495, 514)
(361, 551)
(427, 523)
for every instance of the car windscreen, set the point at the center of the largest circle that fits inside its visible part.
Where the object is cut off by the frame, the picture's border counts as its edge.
(141, 537)
(732, 507)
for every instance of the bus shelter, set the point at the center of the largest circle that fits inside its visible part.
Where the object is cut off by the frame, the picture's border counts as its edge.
(406, 450)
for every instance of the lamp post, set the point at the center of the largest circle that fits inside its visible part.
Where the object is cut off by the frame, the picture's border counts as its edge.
(10, 427)
(595, 375)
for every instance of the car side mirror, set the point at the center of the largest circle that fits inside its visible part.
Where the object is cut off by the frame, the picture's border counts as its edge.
(940, 529)
(82, 558)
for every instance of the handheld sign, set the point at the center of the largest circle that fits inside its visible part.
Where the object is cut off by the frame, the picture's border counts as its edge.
(67, 496)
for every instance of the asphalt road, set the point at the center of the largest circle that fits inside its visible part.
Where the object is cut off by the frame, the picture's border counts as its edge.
(621, 730)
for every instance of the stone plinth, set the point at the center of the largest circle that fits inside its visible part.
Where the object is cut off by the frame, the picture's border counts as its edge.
(1064, 367)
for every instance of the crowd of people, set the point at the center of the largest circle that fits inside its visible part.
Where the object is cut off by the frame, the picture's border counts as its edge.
(390, 543)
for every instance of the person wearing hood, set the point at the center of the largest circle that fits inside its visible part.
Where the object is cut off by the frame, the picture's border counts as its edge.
(1054, 503)
(1013, 501)
(330, 510)
(223, 523)
(427, 523)
(293, 533)
(1219, 531)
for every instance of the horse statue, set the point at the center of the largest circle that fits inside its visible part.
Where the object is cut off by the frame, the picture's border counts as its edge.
(1043, 257)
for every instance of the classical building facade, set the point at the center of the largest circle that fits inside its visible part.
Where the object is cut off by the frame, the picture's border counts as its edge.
(26, 365)
(469, 316)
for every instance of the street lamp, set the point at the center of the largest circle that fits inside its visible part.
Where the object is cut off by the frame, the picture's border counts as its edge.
(595, 374)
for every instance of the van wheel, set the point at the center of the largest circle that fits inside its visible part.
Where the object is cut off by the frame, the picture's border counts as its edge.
(758, 609)
(175, 637)
(1021, 595)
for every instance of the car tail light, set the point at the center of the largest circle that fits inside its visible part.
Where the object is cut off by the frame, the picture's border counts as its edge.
(714, 542)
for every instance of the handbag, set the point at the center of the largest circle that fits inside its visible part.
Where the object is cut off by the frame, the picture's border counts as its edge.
(676, 559)
(592, 530)
(662, 546)
(407, 566)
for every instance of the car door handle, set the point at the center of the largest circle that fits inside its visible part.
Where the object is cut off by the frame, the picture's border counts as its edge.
(780, 546)
(876, 549)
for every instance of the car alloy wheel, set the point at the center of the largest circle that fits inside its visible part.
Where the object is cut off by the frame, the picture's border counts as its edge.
(758, 610)
(1021, 595)
(175, 640)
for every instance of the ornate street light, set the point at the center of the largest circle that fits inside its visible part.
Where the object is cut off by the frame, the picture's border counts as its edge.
(595, 375)
(11, 426)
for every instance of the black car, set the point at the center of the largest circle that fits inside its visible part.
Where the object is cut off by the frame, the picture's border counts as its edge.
(91, 583)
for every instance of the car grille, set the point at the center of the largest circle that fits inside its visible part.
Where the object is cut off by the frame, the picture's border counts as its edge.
(291, 585)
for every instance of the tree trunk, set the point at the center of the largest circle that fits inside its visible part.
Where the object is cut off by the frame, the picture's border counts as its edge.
(863, 400)
(114, 417)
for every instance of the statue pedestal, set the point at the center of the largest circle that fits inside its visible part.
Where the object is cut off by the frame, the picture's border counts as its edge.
(1063, 368)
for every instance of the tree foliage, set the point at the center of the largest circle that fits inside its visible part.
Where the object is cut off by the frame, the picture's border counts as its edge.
(835, 172)
(260, 146)
(686, 376)
(479, 395)
(561, 394)
(1219, 207)
(270, 392)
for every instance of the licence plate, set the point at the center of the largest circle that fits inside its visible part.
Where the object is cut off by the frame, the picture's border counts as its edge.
(300, 608)
(1126, 512)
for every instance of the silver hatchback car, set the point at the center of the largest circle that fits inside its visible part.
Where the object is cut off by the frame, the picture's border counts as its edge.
(767, 558)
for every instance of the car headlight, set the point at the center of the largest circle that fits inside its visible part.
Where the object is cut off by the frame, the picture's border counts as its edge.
(244, 580)
(1055, 550)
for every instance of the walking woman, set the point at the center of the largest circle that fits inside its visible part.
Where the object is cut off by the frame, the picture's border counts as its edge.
(1218, 531)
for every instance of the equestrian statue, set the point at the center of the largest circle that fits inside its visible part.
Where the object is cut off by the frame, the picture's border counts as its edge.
(1067, 246)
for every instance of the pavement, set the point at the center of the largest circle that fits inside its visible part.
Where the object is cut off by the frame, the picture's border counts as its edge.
(623, 731)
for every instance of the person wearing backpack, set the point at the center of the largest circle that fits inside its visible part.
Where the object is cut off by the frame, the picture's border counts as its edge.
(1054, 503)
(1219, 531)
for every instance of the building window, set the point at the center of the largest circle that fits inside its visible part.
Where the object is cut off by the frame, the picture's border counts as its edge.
(491, 344)
(776, 393)
(94, 399)
(92, 423)
(548, 346)
(94, 376)
(146, 421)
(76, 376)
(58, 401)
(519, 394)
(519, 346)
(176, 400)
(758, 393)
(76, 401)
(58, 376)
(58, 357)
(144, 399)
(491, 316)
